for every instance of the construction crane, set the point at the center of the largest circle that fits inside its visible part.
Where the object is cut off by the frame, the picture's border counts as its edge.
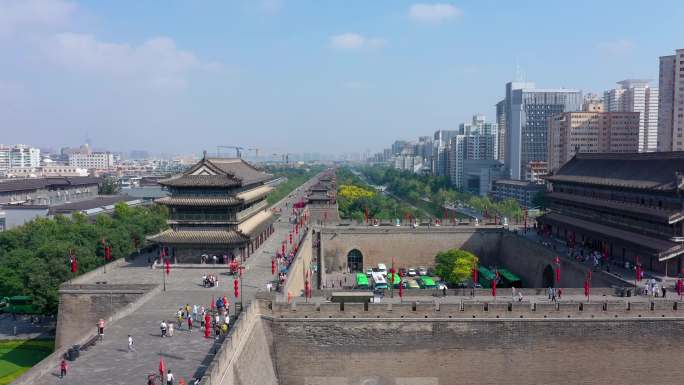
(238, 150)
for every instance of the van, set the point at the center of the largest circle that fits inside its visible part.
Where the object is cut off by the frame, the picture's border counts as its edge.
(382, 269)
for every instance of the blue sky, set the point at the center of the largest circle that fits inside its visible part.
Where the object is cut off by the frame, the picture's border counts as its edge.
(301, 76)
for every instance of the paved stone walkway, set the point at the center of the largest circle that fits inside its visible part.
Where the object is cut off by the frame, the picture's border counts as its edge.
(186, 353)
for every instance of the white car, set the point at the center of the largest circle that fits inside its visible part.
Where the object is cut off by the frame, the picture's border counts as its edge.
(412, 272)
(382, 269)
(422, 270)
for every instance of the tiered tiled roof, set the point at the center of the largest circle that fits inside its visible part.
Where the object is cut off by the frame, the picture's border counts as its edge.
(254, 194)
(256, 224)
(199, 201)
(199, 237)
(670, 216)
(218, 172)
(661, 171)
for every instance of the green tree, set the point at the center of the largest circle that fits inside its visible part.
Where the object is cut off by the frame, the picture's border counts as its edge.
(455, 265)
(109, 186)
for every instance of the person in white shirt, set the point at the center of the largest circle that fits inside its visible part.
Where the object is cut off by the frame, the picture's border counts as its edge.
(130, 344)
(169, 378)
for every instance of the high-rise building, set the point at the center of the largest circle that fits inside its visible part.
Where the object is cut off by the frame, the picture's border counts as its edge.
(440, 156)
(501, 130)
(476, 141)
(527, 112)
(18, 156)
(591, 131)
(671, 102)
(635, 95)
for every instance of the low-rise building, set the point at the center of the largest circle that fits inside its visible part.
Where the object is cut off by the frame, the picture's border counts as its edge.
(92, 161)
(48, 191)
(522, 191)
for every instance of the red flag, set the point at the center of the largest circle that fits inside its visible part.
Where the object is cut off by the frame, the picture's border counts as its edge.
(168, 266)
(306, 289)
(74, 265)
(273, 266)
(282, 247)
(162, 367)
(494, 287)
(475, 278)
(212, 303)
(207, 324)
(558, 272)
(679, 287)
(108, 253)
(401, 286)
(586, 288)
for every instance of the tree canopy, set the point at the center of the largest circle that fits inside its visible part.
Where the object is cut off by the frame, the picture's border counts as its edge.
(34, 257)
(455, 265)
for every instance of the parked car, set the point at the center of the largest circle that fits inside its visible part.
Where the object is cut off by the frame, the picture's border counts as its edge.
(422, 270)
(411, 284)
(402, 271)
(412, 272)
(382, 269)
(369, 271)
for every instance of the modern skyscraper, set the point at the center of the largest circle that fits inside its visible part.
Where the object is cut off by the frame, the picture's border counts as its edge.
(18, 156)
(671, 103)
(635, 95)
(527, 111)
(591, 131)
(501, 126)
(440, 157)
(476, 141)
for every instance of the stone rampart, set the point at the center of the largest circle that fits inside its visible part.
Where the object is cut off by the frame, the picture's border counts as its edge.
(566, 343)
(467, 309)
(74, 326)
(82, 305)
(296, 273)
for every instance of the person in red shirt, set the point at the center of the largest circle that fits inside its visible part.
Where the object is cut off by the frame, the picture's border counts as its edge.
(63, 369)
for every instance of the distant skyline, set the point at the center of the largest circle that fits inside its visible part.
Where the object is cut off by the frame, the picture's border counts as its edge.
(302, 76)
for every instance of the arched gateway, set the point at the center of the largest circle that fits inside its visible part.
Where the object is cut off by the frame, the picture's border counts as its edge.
(355, 260)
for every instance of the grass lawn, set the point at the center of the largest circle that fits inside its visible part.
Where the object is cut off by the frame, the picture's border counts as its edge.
(18, 356)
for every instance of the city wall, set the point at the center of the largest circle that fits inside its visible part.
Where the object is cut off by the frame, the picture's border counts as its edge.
(413, 247)
(296, 273)
(80, 307)
(542, 343)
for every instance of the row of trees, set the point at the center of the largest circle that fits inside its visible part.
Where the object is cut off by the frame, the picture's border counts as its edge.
(355, 197)
(34, 257)
(438, 191)
(296, 176)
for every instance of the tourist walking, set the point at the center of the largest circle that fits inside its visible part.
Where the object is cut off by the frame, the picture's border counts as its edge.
(100, 328)
(130, 344)
(194, 312)
(163, 326)
(169, 378)
(189, 323)
(170, 332)
(63, 366)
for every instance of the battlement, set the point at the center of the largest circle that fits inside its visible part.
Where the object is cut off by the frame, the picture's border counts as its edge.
(476, 310)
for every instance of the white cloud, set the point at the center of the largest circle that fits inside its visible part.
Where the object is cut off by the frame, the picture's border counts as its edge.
(157, 62)
(616, 47)
(16, 14)
(434, 13)
(354, 42)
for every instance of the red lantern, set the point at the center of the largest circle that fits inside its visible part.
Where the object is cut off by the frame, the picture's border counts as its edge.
(235, 288)
(168, 266)
(213, 303)
(494, 287)
(290, 237)
(108, 253)
(162, 367)
(557, 261)
(74, 265)
(586, 288)
(306, 289)
(273, 266)
(679, 287)
(475, 277)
